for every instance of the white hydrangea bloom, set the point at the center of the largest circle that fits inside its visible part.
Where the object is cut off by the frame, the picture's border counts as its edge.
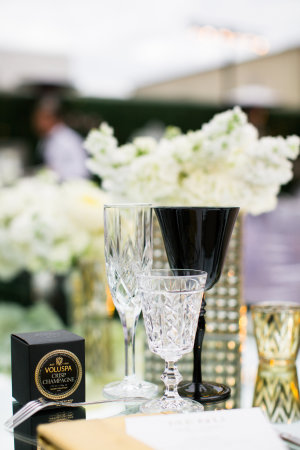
(45, 225)
(222, 164)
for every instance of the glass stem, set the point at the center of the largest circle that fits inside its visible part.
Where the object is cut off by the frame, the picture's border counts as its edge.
(129, 323)
(171, 377)
(197, 372)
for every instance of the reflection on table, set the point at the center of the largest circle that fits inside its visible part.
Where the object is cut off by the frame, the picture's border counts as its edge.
(25, 433)
(277, 393)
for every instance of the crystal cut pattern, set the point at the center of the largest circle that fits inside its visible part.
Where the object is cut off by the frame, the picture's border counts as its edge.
(128, 251)
(170, 311)
(171, 302)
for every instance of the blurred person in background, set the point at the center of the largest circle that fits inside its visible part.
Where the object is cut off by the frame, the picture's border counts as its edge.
(61, 148)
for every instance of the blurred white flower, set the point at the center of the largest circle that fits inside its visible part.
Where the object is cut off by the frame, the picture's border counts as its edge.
(10, 258)
(83, 203)
(222, 164)
(45, 225)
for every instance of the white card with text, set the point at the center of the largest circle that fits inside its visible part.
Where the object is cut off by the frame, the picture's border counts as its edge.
(236, 429)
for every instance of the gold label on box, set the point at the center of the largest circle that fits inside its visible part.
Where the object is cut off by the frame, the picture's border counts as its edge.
(58, 374)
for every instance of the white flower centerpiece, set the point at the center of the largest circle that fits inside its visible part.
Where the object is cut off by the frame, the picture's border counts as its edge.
(48, 226)
(224, 163)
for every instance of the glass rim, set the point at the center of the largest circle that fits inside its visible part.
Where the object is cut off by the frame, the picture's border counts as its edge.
(126, 205)
(197, 273)
(275, 306)
(197, 207)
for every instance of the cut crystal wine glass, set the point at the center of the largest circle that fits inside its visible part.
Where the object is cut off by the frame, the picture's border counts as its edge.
(128, 250)
(171, 302)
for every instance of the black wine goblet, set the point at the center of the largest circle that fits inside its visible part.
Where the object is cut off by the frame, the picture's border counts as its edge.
(198, 238)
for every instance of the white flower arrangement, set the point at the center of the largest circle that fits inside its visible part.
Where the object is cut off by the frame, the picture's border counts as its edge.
(224, 163)
(45, 225)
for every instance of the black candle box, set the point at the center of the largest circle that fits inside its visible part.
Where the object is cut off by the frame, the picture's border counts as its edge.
(49, 364)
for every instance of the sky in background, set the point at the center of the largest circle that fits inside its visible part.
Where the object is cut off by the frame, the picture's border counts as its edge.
(115, 46)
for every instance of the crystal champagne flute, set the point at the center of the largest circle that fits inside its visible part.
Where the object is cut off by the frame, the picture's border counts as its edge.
(128, 250)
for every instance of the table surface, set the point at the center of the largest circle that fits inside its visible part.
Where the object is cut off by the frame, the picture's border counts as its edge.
(248, 377)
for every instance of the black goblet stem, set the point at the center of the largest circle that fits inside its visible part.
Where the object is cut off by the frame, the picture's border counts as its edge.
(197, 372)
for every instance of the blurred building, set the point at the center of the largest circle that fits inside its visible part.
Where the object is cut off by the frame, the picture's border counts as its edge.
(23, 71)
(272, 80)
